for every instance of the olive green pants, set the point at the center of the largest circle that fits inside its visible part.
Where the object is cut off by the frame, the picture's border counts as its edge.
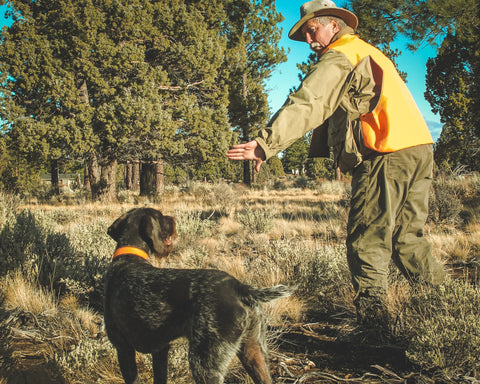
(388, 210)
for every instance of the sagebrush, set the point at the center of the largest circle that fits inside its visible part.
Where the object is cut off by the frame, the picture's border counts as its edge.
(289, 235)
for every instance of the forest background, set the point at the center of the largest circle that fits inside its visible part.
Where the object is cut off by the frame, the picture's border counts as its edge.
(148, 95)
(130, 94)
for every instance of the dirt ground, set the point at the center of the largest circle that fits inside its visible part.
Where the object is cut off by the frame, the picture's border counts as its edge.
(329, 352)
(319, 352)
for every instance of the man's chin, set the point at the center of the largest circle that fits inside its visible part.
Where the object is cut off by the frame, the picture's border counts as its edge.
(316, 47)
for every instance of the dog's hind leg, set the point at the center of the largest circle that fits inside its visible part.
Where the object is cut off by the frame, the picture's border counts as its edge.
(160, 366)
(254, 360)
(128, 366)
(204, 373)
(253, 351)
(209, 361)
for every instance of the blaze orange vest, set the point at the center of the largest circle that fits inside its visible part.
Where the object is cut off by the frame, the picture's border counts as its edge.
(396, 122)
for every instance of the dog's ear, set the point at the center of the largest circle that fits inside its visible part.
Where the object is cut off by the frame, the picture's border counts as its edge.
(158, 231)
(118, 226)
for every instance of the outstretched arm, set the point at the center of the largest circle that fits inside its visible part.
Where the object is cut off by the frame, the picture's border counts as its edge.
(248, 151)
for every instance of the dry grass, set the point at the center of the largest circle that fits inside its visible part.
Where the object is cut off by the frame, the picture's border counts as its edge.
(20, 293)
(457, 246)
(262, 237)
(228, 226)
(284, 311)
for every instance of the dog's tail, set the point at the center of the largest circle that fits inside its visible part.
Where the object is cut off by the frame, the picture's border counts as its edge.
(251, 296)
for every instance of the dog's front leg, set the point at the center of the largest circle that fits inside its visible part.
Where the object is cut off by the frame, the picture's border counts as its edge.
(128, 365)
(160, 364)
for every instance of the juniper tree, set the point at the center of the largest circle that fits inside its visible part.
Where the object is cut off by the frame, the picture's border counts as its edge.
(120, 80)
(116, 80)
(254, 34)
(452, 90)
(39, 93)
(452, 76)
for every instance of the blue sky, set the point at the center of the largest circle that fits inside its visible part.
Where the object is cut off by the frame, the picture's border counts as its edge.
(3, 9)
(285, 76)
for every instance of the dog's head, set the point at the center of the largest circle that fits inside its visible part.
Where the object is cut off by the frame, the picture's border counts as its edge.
(145, 228)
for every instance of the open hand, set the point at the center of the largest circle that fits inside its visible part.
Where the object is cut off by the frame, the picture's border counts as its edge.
(248, 151)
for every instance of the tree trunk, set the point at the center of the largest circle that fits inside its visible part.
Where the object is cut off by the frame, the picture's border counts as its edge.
(127, 175)
(102, 179)
(82, 87)
(152, 180)
(55, 176)
(247, 165)
(135, 175)
(147, 179)
(91, 174)
(159, 177)
(86, 177)
(106, 188)
(247, 173)
(132, 175)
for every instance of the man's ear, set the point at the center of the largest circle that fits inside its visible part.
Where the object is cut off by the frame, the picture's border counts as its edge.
(116, 229)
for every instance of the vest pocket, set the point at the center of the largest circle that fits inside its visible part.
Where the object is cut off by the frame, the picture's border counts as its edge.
(347, 143)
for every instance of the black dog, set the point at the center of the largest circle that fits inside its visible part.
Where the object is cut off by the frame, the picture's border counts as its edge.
(147, 307)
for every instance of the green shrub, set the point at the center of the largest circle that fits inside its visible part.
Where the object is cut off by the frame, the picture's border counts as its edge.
(339, 188)
(302, 182)
(445, 204)
(212, 194)
(62, 216)
(256, 220)
(192, 224)
(444, 329)
(320, 273)
(324, 277)
(222, 195)
(9, 205)
(197, 256)
(280, 185)
(82, 362)
(72, 262)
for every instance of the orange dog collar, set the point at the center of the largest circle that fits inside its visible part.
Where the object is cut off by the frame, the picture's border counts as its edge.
(130, 251)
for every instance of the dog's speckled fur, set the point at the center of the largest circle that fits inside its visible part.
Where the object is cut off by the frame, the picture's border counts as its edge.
(147, 307)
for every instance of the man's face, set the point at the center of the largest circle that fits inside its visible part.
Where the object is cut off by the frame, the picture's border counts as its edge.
(317, 35)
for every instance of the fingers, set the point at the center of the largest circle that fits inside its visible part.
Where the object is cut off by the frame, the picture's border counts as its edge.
(258, 163)
(242, 152)
(238, 154)
(247, 151)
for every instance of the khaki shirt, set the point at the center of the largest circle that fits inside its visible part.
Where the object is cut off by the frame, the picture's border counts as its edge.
(338, 98)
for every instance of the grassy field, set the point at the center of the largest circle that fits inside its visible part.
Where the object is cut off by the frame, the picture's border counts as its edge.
(53, 256)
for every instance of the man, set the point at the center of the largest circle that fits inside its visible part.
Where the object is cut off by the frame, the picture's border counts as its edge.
(358, 104)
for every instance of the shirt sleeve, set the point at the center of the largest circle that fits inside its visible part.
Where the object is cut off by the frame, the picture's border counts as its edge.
(310, 106)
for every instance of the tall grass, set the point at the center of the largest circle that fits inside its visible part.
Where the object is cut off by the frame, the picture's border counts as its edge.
(52, 260)
(22, 294)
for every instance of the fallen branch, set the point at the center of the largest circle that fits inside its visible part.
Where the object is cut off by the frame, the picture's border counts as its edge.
(366, 377)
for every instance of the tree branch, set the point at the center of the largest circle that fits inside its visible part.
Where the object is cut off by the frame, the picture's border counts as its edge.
(178, 87)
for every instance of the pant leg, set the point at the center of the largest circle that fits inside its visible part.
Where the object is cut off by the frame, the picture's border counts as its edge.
(412, 252)
(387, 216)
(370, 227)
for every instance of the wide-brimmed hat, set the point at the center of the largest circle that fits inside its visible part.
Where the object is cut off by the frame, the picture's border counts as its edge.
(316, 8)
